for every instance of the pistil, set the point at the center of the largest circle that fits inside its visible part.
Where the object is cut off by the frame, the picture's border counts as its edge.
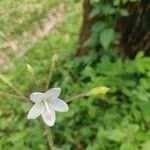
(46, 105)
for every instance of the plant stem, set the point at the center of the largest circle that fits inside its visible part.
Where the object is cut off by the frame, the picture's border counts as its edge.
(12, 86)
(15, 96)
(35, 81)
(16, 90)
(76, 97)
(49, 138)
(48, 130)
(50, 75)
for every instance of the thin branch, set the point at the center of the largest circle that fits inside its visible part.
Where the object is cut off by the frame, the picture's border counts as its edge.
(16, 90)
(12, 86)
(48, 130)
(49, 138)
(50, 75)
(77, 97)
(15, 96)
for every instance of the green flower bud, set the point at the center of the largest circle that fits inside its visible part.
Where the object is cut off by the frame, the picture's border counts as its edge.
(98, 91)
(5, 80)
(30, 69)
(55, 58)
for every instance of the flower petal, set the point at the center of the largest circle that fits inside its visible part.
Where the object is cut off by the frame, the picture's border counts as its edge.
(35, 111)
(58, 105)
(36, 97)
(49, 117)
(54, 92)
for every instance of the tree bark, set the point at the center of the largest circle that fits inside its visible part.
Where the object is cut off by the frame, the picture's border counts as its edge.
(134, 29)
(85, 29)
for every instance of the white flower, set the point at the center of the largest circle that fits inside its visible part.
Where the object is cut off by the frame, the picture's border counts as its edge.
(46, 104)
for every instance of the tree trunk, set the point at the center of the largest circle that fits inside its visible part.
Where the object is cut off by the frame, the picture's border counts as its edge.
(134, 29)
(85, 29)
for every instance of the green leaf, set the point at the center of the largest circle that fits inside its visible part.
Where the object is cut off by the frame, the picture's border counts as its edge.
(115, 135)
(146, 145)
(139, 55)
(92, 112)
(133, 128)
(128, 146)
(107, 10)
(144, 106)
(116, 2)
(95, 11)
(89, 147)
(124, 1)
(98, 26)
(91, 42)
(94, 146)
(106, 37)
(88, 72)
(124, 12)
(94, 1)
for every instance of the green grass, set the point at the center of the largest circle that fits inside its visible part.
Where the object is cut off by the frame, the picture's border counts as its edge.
(63, 41)
(25, 16)
(21, 15)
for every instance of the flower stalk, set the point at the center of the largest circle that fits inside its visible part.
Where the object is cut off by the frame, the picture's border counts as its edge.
(48, 131)
(12, 86)
(95, 92)
(77, 97)
(32, 74)
(50, 138)
(15, 96)
(53, 63)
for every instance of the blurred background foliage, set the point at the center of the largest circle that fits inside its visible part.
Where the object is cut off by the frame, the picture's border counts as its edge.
(117, 121)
